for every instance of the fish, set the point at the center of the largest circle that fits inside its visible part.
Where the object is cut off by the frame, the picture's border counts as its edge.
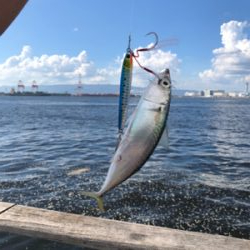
(141, 136)
(125, 88)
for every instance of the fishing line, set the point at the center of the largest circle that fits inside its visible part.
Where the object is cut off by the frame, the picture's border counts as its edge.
(136, 54)
(131, 17)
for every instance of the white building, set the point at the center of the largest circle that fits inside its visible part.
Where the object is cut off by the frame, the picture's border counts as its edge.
(191, 93)
(218, 93)
(242, 94)
(233, 94)
(207, 92)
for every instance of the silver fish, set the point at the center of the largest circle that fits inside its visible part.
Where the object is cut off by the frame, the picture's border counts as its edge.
(142, 135)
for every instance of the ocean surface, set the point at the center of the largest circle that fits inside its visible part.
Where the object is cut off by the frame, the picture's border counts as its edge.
(51, 148)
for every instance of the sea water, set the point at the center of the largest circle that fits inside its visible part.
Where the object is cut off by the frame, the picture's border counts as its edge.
(53, 147)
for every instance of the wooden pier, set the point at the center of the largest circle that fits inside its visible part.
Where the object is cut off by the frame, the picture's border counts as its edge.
(97, 233)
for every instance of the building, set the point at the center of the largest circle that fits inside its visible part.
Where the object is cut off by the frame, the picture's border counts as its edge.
(233, 94)
(12, 91)
(219, 93)
(191, 94)
(208, 93)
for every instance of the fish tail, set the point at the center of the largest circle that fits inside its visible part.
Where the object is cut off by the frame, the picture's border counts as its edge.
(97, 197)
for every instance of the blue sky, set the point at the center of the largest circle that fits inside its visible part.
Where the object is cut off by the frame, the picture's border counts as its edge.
(52, 41)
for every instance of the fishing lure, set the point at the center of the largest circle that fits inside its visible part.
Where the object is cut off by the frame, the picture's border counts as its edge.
(125, 87)
(126, 80)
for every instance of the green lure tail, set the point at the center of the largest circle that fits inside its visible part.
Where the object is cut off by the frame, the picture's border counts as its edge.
(98, 198)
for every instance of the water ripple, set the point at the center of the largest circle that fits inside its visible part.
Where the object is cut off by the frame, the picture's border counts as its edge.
(201, 182)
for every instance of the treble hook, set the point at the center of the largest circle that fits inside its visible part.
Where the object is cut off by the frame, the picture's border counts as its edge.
(136, 54)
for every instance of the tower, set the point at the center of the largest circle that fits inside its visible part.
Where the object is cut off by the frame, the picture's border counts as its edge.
(79, 86)
(34, 87)
(20, 86)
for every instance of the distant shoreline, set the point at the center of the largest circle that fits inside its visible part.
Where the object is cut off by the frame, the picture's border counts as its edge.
(60, 94)
(40, 93)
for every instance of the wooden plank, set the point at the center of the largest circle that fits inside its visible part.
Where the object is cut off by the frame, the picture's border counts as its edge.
(8, 12)
(100, 233)
(4, 206)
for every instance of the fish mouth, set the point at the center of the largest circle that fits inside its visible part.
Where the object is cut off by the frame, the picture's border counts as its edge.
(166, 72)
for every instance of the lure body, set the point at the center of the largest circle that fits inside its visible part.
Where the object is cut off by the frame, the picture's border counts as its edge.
(125, 88)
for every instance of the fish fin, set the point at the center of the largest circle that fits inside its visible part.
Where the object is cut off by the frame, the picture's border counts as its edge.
(164, 141)
(118, 140)
(97, 197)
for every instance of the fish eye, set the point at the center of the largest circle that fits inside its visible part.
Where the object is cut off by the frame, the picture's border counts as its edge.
(164, 82)
(128, 56)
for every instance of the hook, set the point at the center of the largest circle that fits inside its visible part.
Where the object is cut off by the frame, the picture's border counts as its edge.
(150, 48)
(147, 69)
(136, 54)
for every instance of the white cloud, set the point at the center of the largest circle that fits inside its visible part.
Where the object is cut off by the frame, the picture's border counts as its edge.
(231, 63)
(63, 69)
(156, 60)
(46, 69)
